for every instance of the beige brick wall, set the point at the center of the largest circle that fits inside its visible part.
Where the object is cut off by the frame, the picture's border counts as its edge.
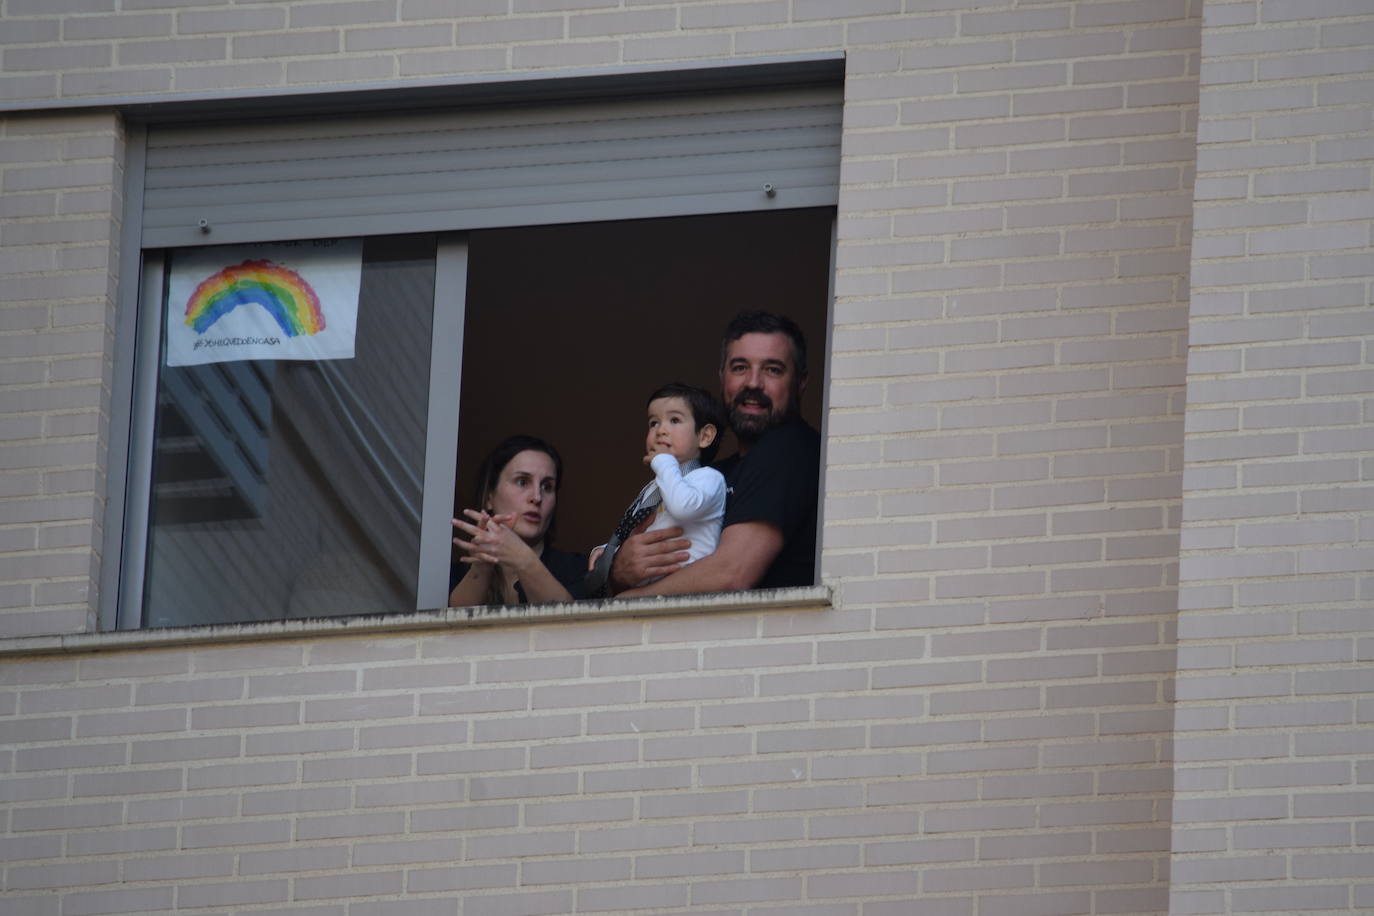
(984, 721)
(707, 764)
(1274, 715)
(61, 179)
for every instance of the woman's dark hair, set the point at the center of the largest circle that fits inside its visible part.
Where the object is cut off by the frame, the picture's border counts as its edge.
(705, 410)
(489, 474)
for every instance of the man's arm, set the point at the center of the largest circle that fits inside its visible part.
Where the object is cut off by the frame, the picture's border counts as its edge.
(745, 552)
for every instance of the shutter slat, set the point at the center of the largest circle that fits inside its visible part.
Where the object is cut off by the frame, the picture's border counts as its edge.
(307, 168)
(186, 146)
(556, 181)
(788, 182)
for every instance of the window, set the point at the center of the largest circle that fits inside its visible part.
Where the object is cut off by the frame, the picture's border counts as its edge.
(514, 256)
(569, 328)
(294, 488)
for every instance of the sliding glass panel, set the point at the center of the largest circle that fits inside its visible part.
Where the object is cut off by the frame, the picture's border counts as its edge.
(289, 488)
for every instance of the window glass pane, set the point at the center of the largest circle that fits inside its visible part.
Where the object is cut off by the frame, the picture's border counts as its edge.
(292, 488)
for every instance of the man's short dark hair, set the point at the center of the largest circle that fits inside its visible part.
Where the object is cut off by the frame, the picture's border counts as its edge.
(766, 323)
(705, 408)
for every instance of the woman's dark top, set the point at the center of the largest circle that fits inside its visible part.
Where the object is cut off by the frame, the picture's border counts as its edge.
(568, 568)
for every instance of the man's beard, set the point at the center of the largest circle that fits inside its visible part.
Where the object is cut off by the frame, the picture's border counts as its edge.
(750, 427)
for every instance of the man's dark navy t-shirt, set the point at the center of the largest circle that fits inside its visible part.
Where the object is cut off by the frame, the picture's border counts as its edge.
(777, 482)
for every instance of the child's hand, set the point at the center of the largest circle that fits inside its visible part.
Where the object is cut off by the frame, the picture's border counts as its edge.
(660, 448)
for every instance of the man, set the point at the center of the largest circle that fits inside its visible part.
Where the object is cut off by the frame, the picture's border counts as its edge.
(769, 534)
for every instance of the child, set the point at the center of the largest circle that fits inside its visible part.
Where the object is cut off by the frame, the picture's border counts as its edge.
(684, 429)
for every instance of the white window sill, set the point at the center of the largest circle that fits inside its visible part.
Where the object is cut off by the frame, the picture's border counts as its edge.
(814, 597)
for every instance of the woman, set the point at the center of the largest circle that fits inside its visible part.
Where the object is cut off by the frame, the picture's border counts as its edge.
(507, 557)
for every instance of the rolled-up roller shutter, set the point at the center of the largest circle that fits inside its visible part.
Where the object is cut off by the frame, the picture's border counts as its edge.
(437, 170)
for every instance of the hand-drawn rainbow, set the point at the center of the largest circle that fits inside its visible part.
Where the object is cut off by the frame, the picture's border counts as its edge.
(285, 295)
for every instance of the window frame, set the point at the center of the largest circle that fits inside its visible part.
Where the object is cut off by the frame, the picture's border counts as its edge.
(441, 431)
(138, 328)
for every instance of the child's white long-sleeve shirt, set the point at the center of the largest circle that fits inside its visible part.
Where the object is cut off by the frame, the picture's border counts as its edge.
(693, 499)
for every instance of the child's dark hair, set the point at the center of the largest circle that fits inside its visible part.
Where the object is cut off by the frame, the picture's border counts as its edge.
(706, 409)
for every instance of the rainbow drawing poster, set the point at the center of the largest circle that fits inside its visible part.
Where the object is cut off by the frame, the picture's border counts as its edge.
(279, 300)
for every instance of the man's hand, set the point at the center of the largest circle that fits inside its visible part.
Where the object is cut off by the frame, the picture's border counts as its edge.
(646, 555)
(741, 560)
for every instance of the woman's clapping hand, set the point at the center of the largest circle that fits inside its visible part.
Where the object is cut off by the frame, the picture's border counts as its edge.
(490, 539)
